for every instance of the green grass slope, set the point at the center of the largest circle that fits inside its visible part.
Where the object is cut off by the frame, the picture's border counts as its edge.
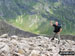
(35, 15)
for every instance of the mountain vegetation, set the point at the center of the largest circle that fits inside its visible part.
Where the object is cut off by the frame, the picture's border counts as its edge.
(35, 15)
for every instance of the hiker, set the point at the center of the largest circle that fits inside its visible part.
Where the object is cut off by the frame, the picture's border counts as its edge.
(57, 30)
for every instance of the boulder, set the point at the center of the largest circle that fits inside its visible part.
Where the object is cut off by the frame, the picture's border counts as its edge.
(35, 53)
(14, 37)
(4, 36)
(4, 49)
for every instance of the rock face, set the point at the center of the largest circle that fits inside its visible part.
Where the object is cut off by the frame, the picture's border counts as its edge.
(33, 46)
(6, 28)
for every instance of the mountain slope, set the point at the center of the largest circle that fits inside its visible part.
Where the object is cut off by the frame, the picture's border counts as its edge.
(34, 15)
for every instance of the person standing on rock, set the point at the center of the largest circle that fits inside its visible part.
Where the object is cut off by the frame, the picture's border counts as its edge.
(57, 30)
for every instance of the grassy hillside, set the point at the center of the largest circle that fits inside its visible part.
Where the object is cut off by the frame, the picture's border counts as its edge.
(34, 15)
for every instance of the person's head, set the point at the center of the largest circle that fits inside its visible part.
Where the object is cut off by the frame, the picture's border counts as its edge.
(56, 23)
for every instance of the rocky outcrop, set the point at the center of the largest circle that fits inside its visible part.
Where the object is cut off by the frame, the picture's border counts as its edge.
(33, 46)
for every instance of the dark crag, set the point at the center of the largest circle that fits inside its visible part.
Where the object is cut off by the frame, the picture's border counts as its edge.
(6, 28)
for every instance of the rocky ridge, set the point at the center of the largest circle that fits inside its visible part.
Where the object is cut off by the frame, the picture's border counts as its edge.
(33, 46)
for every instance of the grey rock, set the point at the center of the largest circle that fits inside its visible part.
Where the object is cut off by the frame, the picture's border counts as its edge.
(4, 36)
(33, 46)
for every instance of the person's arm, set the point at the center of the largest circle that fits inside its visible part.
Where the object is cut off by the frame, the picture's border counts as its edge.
(60, 30)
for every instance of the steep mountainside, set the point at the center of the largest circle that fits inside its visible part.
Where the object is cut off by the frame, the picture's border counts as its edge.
(34, 15)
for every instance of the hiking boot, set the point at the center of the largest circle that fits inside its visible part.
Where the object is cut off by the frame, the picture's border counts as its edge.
(52, 39)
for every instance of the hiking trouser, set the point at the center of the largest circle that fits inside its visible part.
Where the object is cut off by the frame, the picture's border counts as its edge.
(57, 35)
